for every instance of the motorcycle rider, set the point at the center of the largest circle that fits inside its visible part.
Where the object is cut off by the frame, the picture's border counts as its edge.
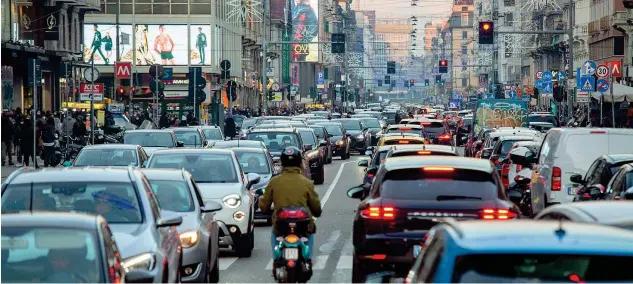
(291, 188)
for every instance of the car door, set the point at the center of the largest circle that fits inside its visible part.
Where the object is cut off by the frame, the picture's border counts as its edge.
(617, 185)
(207, 220)
(594, 174)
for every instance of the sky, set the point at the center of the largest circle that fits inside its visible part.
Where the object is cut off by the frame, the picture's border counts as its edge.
(426, 10)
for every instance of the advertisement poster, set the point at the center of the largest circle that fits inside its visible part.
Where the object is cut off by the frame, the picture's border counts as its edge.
(199, 37)
(305, 21)
(161, 44)
(100, 40)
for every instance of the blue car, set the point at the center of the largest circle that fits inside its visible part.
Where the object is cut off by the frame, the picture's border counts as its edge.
(523, 251)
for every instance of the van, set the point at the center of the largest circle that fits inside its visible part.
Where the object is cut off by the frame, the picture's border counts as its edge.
(568, 151)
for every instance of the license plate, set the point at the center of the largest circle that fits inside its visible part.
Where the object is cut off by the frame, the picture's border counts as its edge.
(572, 191)
(416, 250)
(291, 254)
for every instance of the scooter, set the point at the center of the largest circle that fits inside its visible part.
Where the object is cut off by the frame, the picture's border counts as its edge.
(57, 155)
(291, 256)
(519, 191)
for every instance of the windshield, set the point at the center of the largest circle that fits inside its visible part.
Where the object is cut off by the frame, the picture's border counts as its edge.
(334, 130)
(350, 124)
(173, 195)
(276, 141)
(213, 134)
(117, 202)
(249, 122)
(418, 184)
(106, 157)
(189, 138)
(149, 139)
(253, 162)
(507, 146)
(433, 127)
(371, 123)
(50, 255)
(308, 137)
(404, 130)
(543, 118)
(509, 268)
(205, 168)
(318, 131)
(389, 115)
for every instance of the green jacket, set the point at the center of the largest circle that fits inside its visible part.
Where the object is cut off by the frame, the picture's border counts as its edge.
(201, 40)
(96, 41)
(291, 188)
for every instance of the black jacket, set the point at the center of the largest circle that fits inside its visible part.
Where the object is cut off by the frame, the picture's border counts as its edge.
(8, 128)
(229, 127)
(48, 133)
(79, 129)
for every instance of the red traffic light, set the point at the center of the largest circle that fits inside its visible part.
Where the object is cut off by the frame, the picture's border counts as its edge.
(121, 90)
(486, 26)
(443, 62)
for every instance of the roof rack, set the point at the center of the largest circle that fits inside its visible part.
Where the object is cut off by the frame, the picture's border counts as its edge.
(453, 224)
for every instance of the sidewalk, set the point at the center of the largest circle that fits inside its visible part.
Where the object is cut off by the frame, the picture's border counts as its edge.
(7, 170)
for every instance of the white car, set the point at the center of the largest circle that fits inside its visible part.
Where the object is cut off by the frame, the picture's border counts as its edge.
(220, 178)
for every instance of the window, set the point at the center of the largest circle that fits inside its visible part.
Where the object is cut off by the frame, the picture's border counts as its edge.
(464, 9)
(464, 82)
(464, 52)
(106, 157)
(618, 45)
(205, 168)
(253, 162)
(173, 195)
(464, 34)
(509, 19)
(464, 19)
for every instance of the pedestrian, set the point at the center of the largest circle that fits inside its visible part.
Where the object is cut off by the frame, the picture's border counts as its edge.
(183, 121)
(229, 126)
(163, 122)
(27, 142)
(8, 132)
(79, 131)
(68, 124)
(48, 141)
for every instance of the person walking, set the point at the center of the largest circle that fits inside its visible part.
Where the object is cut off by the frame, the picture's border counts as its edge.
(79, 130)
(8, 131)
(229, 126)
(27, 142)
(48, 141)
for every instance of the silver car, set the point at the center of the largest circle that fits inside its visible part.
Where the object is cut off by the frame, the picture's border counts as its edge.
(220, 178)
(199, 232)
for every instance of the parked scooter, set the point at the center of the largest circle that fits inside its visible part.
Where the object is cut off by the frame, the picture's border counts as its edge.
(291, 257)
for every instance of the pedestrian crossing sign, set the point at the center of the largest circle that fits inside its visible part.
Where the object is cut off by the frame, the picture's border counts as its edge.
(587, 83)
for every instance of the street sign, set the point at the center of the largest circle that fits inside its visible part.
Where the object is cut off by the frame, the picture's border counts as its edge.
(616, 68)
(35, 67)
(587, 83)
(277, 97)
(123, 70)
(589, 68)
(512, 94)
(320, 80)
(539, 75)
(582, 97)
(225, 65)
(539, 84)
(270, 72)
(168, 73)
(603, 85)
(555, 75)
(548, 88)
(294, 89)
(547, 76)
(562, 76)
(275, 87)
(86, 90)
(602, 71)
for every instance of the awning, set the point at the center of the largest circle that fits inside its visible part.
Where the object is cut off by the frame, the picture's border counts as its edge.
(619, 93)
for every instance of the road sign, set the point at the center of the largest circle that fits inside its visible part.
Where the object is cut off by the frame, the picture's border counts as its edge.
(547, 76)
(539, 75)
(275, 87)
(35, 67)
(320, 80)
(555, 75)
(602, 71)
(582, 97)
(562, 76)
(548, 88)
(539, 84)
(294, 89)
(603, 85)
(168, 74)
(225, 65)
(512, 94)
(86, 90)
(270, 72)
(277, 97)
(588, 68)
(616, 68)
(587, 83)
(123, 70)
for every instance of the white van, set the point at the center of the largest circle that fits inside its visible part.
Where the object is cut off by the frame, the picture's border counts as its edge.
(568, 151)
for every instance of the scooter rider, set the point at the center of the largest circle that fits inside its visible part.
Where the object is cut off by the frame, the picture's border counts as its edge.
(291, 188)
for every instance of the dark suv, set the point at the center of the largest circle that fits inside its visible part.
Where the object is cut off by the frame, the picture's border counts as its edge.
(277, 139)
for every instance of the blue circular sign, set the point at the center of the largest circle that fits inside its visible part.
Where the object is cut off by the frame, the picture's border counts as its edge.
(547, 75)
(539, 84)
(588, 68)
(602, 85)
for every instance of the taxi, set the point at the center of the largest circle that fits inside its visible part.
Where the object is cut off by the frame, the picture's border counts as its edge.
(401, 139)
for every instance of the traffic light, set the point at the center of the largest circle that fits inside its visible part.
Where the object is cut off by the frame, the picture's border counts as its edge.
(438, 79)
(426, 82)
(391, 67)
(443, 66)
(486, 32)
(388, 80)
(558, 93)
(196, 86)
(411, 83)
(231, 90)
(121, 91)
(442, 82)
(338, 43)
(156, 71)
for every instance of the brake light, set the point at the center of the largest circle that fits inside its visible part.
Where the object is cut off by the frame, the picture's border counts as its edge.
(519, 167)
(597, 132)
(403, 141)
(293, 214)
(444, 136)
(424, 152)
(379, 213)
(438, 169)
(425, 123)
(370, 175)
(497, 214)
(379, 257)
(404, 128)
(556, 179)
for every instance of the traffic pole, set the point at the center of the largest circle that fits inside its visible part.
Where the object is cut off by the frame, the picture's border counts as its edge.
(92, 103)
(34, 115)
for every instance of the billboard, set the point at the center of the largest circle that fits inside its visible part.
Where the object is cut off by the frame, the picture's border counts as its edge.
(305, 34)
(161, 44)
(101, 40)
(199, 43)
(278, 10)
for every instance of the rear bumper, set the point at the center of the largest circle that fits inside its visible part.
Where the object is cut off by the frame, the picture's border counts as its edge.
(397, 247)
(440, 142)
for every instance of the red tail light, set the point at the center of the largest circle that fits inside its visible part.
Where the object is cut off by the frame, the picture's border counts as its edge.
(556, 179)
(445, 136)
(379, 213)
(370, 175)
(519, 167)
(497, 214)
(424, 152)
(293, 214)
(495, 159)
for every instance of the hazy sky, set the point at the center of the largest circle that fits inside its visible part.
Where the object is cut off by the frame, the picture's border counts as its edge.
(425, 11)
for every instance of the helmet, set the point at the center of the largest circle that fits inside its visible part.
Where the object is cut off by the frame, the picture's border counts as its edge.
(291, 157)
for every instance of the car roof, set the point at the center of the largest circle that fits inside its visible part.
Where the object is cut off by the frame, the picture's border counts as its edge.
(603, 212)
(516, 137)
(96, 174)
(329, 123)
(185, 128)
(399, 126)
(206, 127)
(111, 146)
(184, 151)
(264, 130)
(439, 161)
(397, 136)
(584, 130)
(46, 219)
(238, 143)
(434, 120)
(498, 133)
(248, 149)
(163, 174)
(149, 130)
(541, 236)
(618, 158)
(430, 147)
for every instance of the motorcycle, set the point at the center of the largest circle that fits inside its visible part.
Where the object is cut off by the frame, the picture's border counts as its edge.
(519, 191)
(57, 155)
(291, 256)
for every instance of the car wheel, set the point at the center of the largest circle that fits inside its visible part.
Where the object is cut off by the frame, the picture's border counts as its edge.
(358, 273)
(320, 176)
(245, 245)
(344, 156)
(330, 155)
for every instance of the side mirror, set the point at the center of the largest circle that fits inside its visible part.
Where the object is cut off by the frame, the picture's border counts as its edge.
(323, 143)
(259, 191)
(307, 147)
(139, 276)
(67, 164)
(628, 194)
(206, 143)
(211, 206)
(169, 221)
(348, 135)
(180, 144)
(253, 179)
(363, 163)
(576, 178)
(356, 192)
(330, 136)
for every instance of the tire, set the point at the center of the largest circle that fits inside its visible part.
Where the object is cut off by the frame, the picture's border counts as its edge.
(344, 156)
(245, 245)
(320, 177)
(213, 275)
(329, 159)
(358, 273)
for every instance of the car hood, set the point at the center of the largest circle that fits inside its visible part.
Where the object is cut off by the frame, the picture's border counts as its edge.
(217, 191)
(354, 132)
(134, 239)
(151, 150)
(336, 138)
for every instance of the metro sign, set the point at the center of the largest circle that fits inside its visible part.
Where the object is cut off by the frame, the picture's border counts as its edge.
(123, 70)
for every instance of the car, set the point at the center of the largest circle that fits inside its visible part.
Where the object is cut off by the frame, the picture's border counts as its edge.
(315, 121)
(541, 126)
(475, 141)
(176, 191)
(600, 172)
(437, 132)
(324, 136)
(152, 139)
(523, 251)
(397, 139)
(237, 144)
(276, 140)
(610, 213)
(110, 155)
(146, 235)
(377, 157)
(407, 197)
(247, 124)
(543, 117)
(239, 120)
(212, 132)
(192, 137)
(509, 170)
(258, 161)
(491, 139)
(422, 150)
(374, 128)
(314, 153)
(359, 133)
(621, 185)
(390, 116)
(340, 137)
(503, 146)
(220, 178)
(57, 247)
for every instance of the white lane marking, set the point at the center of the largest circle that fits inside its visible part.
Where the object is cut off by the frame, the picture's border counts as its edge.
(328, 246)
(348, 248)
(318, 262)
(345, 262)
(333, 185)
(225, 262)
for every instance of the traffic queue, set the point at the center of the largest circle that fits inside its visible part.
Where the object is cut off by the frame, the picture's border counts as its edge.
(161, 205)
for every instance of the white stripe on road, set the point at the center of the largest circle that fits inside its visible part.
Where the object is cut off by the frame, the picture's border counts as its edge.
(333, 185)
(318, 263)
(225, 262)
(345, 262)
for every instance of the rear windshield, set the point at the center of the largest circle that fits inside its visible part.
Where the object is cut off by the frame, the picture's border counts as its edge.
(508, 268)
(403, 142)
(308, 137)
(390, 115)
(350, 124)
(249, 122)
(421, 153)
(507, 146)
(371, 123)
(106, 157)
(439, 185)
(433, 127)
(189, 138)
(543, 118)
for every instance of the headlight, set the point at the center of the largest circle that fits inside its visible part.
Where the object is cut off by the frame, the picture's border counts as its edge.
(360, 136)
(142, 261)
(232, 201)
(188, 239)
(340, 142)
(239, 216)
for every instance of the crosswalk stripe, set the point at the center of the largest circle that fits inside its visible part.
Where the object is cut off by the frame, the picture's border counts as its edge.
(318, 263)
(345, 262)
(225, 262)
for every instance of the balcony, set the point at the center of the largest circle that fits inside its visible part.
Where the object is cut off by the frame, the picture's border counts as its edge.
(605, 23)
(619, 18)
(90, 5)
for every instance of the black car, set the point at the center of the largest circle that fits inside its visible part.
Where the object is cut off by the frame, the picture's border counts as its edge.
(437, 131)
(339, 137)
(600, 173)
(276, 140)
(359, 133)
(192, 137)
(374, 128)
(313, 150)
(407, 198)
(324, 136)
(543, 117)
